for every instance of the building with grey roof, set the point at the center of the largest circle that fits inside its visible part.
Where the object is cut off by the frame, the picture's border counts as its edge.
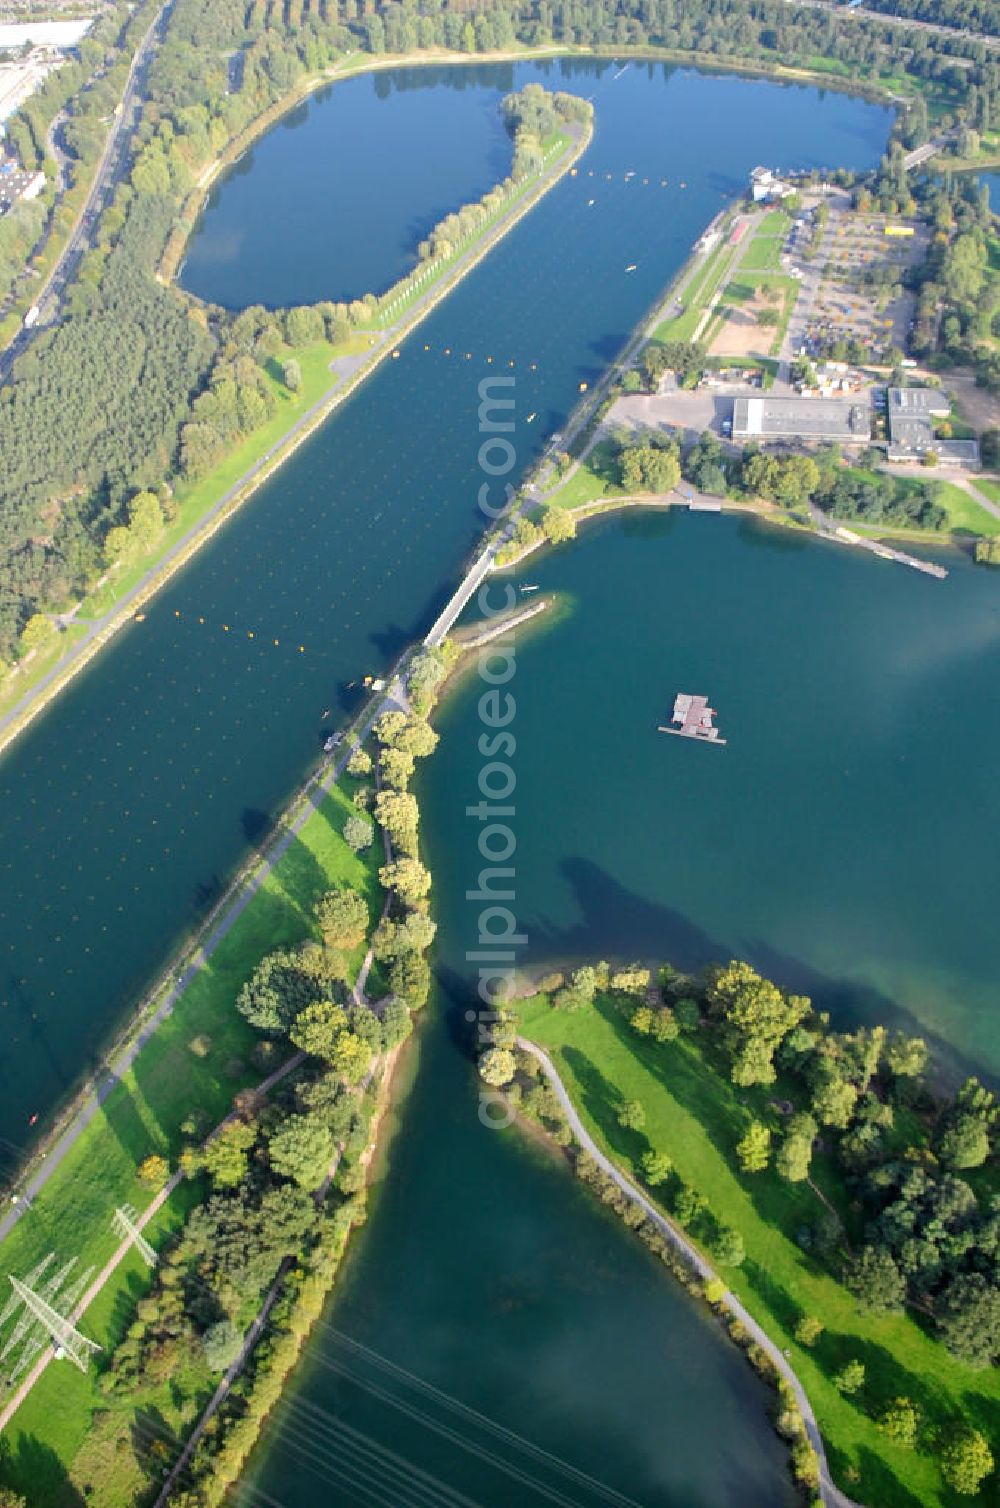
(911, 412)
(770, 418)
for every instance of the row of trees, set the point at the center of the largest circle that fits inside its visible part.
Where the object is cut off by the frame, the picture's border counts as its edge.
(533, 117)
(84, 92)
(283, 1180)
(965, 15)
(929, 1239)
(141, 358)
(958, 304)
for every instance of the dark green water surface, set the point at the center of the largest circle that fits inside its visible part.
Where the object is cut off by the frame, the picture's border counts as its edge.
(125, 807)
(842, 839)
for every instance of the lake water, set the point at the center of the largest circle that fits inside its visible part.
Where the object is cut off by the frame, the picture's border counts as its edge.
(333, 202)
(484, 1270)
(992, 181)
(124, 808)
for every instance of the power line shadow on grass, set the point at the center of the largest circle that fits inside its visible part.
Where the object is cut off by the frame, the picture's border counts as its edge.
(131, 1290)
(152, 1442)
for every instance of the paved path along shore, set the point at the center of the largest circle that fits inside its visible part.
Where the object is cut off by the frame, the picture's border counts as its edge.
(830, 1492)
(346, 373)
(123, 1249)
(230, 911)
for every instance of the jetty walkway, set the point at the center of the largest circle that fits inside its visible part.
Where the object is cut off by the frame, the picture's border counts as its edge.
(829, 1491)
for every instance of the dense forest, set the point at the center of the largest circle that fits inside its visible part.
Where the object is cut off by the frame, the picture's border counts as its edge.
(971, 15)
(958, 307)
(83, 93)
(179, 386)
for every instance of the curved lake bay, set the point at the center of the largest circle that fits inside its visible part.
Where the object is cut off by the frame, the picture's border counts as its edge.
(842, 839)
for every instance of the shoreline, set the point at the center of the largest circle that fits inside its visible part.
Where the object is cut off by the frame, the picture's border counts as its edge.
(193, 207)
(77, 656)
(41, 696)
(727, 1306)
(380, 1132)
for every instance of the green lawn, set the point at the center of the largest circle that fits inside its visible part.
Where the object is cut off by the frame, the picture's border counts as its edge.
(696, 296)
(594, 479)
(195, 1061)
(964, 513)
(988, 488)
(764, 252)
(696, 1116)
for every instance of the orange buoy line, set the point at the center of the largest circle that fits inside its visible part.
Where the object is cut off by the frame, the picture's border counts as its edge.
(227, 628)
(631, 178)
(531, 366)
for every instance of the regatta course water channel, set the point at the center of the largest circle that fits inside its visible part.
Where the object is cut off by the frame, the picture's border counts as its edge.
(126, 806)
(841, 839)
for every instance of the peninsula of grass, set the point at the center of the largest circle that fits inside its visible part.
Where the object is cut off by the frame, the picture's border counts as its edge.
(695, 1116)
(186, 1075)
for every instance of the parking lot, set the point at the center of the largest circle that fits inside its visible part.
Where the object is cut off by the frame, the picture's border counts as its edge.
(853, 305)
(14, 181)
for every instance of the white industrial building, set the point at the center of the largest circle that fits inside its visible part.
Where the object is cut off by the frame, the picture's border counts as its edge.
(21, 76)
(770, 418)
(61, 35)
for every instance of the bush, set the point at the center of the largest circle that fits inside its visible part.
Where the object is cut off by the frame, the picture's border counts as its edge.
(966, 1460)
(899, 1420)
(358, 832)
(154, 1171)
(850, 1379)
(221, 1344)
(631, 1115)
(497, 1066)
(808, 1330)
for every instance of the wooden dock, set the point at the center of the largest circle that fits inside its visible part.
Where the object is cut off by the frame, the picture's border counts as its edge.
(702, 738)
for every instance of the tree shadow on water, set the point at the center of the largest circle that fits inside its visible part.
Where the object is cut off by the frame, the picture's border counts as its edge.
(254, 823)
(620, 924)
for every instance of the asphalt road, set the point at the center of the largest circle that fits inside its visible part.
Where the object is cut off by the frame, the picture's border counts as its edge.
(111, 168)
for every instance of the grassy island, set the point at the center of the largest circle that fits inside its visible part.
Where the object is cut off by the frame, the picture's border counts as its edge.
(852, 1209)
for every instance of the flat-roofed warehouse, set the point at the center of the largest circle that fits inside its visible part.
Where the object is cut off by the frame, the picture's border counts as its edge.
(770, 418)
(911, 412)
